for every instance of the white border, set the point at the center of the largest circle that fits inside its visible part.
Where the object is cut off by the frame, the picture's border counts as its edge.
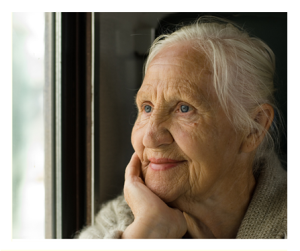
(293, 129)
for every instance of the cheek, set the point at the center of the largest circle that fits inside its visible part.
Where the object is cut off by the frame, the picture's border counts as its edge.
(137, 136)
(198, 141)
(186, 137)
(183, 137)
(193, 135)
(137, 140)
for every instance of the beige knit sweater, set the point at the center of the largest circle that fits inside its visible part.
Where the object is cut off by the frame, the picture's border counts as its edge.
(266, 217)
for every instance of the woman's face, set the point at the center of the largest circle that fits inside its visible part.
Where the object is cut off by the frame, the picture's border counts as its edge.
(186, 145)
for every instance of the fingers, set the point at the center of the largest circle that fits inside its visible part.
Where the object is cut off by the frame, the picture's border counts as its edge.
(133, 168)
(132, 174)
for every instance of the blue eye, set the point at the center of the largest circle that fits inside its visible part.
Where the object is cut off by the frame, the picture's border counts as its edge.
(184, 108)
(147, 108)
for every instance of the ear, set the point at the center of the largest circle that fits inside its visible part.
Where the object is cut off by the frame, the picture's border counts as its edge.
(263, 115)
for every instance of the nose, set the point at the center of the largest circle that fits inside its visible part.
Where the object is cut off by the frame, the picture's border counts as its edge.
(157, 133)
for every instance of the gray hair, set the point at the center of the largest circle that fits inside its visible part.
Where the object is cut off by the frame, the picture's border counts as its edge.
(243, 71)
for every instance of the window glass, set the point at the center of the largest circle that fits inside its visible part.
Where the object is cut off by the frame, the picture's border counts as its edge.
(28, 128)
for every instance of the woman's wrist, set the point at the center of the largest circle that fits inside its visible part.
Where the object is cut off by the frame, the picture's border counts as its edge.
(141, 230)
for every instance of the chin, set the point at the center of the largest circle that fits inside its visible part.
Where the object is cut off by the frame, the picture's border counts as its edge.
(165, 189)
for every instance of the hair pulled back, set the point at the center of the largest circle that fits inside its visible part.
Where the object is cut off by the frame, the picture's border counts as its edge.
(243, 70)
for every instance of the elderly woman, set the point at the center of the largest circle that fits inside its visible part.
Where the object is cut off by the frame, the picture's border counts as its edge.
(204, 164)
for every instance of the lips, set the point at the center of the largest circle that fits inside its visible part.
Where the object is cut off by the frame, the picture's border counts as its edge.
(163, 163)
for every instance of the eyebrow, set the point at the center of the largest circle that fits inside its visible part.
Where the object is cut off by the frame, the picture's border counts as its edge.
(183, 92)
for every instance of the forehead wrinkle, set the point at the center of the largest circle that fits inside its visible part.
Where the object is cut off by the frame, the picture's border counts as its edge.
(193, 72)
(189, 53)
(169, 62)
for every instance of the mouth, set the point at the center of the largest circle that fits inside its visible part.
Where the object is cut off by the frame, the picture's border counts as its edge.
(163, 163)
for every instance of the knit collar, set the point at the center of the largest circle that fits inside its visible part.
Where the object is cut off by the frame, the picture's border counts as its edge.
(266, 216)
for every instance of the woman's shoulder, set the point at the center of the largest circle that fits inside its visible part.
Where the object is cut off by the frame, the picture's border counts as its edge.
(115, 211)
(266, 217)
(110, 222)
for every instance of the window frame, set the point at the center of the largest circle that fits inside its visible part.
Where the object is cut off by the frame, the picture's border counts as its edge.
(69, 123)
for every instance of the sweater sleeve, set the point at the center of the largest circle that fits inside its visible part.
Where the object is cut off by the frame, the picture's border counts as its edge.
(110, 222)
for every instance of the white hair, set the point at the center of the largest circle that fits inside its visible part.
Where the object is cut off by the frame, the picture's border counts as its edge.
(243, 71)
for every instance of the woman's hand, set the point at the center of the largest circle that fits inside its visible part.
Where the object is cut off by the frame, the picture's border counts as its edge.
(153, 218)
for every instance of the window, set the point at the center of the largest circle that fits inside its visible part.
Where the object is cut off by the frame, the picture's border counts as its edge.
(28, 125)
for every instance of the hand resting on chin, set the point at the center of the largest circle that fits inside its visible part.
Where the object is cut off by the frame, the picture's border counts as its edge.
(153, 217)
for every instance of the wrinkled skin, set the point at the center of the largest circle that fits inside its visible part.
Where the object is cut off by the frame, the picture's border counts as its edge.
(207, 193)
